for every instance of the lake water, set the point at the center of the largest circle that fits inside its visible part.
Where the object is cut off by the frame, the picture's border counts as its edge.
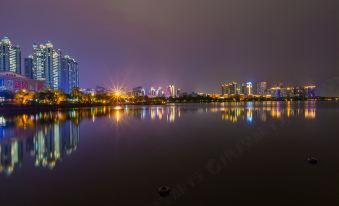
(208, 154)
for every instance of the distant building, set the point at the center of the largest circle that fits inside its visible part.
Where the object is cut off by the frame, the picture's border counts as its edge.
(178, 92)
(100, 90)
(152, 92)
(260, 88)
(298, 92)
(13, 82)
(309, 91)
(249, 88)
(10, 56)
(69, 74)
(287, 92)
(229, 88)
(28, 70)
(138, 91)
(171, 91)
(160, 92)
(88, 91)
(233, 88)
(275, 92)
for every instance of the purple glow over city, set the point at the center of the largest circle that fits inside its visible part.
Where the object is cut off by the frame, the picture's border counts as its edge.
(194, 44)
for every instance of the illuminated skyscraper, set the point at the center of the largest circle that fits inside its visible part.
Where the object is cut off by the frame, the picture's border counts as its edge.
(309, 91)
(152, 92)
(229, 88)
(178, 92)
(28, 70)
(160, 92)
(275, 92)
(171, 91)
(138, 91)
(47, 64)
(249, 88)
(260, 88)
(10, 56)
(69, 74)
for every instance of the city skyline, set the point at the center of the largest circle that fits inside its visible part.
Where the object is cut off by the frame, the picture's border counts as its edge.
(129, 42)
(45, 63)
(64, 71)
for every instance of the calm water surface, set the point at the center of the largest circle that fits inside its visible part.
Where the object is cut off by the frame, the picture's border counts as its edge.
(209, 154)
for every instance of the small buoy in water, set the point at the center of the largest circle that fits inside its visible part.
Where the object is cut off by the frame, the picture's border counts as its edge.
(164, 191)
(312, 160)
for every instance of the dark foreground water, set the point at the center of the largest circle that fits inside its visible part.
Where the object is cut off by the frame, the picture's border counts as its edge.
(209, 154)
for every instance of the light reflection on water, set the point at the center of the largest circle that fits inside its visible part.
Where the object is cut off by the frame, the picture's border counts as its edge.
(235, 112)
(48, 137)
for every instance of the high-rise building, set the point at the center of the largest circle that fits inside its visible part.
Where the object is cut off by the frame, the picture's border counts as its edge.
(69, 76)
(275, 92)
(171, 91)
(309, 91)
(28, 70)
(47, 64)
(249, 88)
(160, 92)
(10, 56)
(260, 88)
(178, 92)
(152, 92)
(229, 88)
(138, 91)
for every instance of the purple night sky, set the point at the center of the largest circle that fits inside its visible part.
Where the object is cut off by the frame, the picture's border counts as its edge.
(195, 44)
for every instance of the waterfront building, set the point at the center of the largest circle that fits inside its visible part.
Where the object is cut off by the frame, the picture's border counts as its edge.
(260, 88)
(171, 91)
(298, 92)
(13, 82)
(28, 70)
(47, 65)
(178, 92)
(230, 88)
(69, 75)
(248, 88)
(138, 91)
(160, 92)
(100, 90)
(287, 92)
(152, 92)
(10, 56)
(242, 88)
(275, 92)
(88, 91)
(309, 91)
